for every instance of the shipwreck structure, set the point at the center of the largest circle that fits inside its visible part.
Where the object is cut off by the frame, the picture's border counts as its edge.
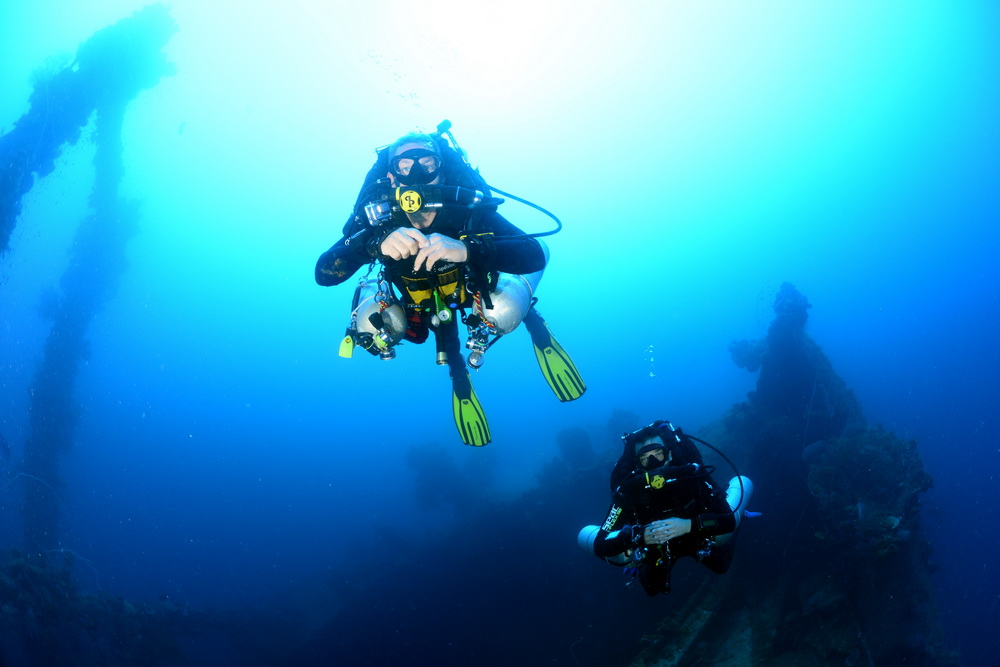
(109, 70)
(837, 570)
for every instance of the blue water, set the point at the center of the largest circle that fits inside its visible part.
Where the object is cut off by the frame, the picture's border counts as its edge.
(699, 156)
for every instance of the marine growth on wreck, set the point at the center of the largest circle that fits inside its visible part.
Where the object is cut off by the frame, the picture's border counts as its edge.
(835, 572)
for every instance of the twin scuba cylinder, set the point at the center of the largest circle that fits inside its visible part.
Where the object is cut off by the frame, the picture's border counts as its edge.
(378, 318)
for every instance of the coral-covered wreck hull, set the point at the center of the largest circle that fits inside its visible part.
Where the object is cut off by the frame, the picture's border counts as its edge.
(836, 572)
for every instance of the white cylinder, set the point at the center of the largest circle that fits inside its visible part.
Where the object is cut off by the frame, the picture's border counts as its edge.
(586, 538)
(511, 298)
(738, 500)
(393, 317)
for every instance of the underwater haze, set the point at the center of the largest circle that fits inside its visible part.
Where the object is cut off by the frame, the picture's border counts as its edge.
(699, 155)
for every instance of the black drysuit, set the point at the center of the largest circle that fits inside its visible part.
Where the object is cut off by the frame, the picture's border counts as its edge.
(494, 244)
(685, 491)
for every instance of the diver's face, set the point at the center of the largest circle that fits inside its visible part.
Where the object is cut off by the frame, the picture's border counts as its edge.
(414, 164)
(652, 458)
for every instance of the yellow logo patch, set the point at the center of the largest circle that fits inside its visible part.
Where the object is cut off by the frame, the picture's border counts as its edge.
(657, 482)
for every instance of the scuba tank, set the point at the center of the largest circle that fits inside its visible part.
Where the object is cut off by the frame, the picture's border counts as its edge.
(378, 321)
(511, 299)
(738, 495)
(509, 302)
(585, 540)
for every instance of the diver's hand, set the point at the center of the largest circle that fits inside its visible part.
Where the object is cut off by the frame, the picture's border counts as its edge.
(403, 242)
(440, 248)
(409, 242)
(659, 532)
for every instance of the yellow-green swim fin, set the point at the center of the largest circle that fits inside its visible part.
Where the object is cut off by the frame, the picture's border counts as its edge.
(469, 415)
(556, 366)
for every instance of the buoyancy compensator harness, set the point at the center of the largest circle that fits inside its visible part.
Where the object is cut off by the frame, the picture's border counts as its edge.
(379, 318)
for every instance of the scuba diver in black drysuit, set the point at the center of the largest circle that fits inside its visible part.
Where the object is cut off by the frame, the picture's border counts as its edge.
(430, 220)
(665, 505)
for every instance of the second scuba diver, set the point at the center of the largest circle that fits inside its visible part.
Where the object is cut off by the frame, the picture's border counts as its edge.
(428, 218)
(665, 505)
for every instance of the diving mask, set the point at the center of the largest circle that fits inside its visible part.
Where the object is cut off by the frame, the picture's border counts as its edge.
(417, 166)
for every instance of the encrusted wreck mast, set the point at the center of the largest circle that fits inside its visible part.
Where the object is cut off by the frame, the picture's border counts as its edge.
(836, 570)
